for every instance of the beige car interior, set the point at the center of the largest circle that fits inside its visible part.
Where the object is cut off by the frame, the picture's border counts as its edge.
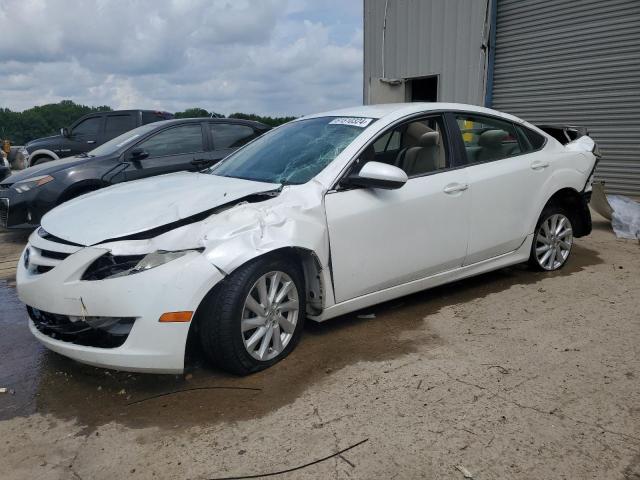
(492, 145)
(419, 148)
(422, 151)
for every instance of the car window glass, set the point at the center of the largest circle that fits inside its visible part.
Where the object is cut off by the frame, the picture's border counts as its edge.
(486, 139)
(380, 145)
(389, 141)
(117, 124)
(417, 147)
(87, 128)
(535, 139)
(293, 153)
(175, 141)
(226, 135)
(394, 141)
(150, 117)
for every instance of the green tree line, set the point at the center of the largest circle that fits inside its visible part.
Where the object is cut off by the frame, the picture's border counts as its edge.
(44, 120)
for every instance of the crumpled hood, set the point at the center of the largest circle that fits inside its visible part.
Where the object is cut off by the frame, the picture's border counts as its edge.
(138, 206)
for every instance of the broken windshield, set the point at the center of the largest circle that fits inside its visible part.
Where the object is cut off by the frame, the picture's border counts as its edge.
(293, 153)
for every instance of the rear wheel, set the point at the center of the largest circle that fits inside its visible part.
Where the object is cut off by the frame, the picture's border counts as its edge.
(552, 240)
(254, 318)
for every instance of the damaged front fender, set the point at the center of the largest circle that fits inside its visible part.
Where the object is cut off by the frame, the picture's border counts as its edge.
(294, 219)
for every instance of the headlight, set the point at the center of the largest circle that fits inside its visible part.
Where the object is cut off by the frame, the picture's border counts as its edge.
(31, 183)
(109, 266)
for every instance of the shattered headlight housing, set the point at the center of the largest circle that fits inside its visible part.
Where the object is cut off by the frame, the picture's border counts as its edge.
(111, 266)
(31, 183)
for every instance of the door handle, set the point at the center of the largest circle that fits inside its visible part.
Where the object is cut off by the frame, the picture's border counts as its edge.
(455, 188)
(539, 165)
(91, 141)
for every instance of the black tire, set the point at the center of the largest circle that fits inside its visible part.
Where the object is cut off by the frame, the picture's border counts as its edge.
(220, 314)
(548, 212)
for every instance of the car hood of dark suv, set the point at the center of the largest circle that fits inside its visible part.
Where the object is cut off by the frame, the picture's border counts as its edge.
(47, 168)
(43, 141)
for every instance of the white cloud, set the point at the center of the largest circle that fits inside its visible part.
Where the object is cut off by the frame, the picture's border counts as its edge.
(263, 56)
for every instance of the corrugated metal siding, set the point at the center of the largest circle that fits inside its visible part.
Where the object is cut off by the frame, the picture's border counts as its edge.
(575, 62)
(428, 37)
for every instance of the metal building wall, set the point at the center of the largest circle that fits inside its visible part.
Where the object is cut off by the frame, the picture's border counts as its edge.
(427, 37)
(575, 62)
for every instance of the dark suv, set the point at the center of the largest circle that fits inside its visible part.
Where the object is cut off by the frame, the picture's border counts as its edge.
(161, 147)
(85, 134)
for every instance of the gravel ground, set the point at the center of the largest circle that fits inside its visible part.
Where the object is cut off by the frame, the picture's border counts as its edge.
(513, 374)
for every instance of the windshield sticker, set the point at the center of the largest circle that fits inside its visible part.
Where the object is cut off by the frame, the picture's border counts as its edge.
(353, 121)
(127, 140)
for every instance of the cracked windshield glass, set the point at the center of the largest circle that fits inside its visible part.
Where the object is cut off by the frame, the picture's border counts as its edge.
(294, 153)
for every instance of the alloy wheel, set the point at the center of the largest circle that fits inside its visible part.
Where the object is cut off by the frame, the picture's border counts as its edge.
(553, 242)
(269, 315)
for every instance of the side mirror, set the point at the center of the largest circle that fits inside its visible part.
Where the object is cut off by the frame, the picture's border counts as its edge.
(64, 131)
(138, 154)
(378, 175)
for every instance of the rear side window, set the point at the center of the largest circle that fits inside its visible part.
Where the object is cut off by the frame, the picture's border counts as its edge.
(150, 117)
(535, 139)
(118, 124)
(487, 139)
(175, 141)
(228, 135)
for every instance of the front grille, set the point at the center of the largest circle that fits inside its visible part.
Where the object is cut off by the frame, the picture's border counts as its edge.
(5, 186)
(44, 256)
(4, 212)
(100, 332)
(54, 255)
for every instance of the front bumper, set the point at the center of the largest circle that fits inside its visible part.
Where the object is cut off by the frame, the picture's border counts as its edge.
(150, 346)
(24, 210)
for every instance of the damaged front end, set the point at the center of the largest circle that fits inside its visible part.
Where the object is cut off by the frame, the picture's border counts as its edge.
(100, 332)
(112, 266)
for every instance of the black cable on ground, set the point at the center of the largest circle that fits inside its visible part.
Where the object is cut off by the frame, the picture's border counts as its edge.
(289, 470)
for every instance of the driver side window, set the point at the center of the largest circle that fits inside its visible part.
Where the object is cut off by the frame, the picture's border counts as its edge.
(175, 141)
(87, 128)
(418, 147)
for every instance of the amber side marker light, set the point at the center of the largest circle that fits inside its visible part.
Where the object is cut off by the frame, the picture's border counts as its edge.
(176, 317)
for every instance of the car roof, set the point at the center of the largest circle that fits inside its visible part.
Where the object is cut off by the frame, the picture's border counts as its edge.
(212, 120)
(403, 109)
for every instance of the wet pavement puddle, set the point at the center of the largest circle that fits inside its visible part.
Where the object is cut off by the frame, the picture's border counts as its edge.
(48, 383)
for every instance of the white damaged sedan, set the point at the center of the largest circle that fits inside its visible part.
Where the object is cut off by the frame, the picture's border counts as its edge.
(325, 215)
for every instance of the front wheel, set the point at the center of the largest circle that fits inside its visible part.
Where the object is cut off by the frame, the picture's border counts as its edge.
(552, 240)
(254, 318)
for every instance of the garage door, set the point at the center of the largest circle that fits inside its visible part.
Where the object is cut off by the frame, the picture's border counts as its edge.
(575, 63)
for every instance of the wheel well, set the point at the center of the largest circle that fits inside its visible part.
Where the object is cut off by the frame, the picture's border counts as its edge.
(577, 208)
(312, 269)
(315, 291)
(80, 189)
(35, 159)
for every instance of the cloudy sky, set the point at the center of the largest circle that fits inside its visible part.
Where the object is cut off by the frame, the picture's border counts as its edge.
(273, 57)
